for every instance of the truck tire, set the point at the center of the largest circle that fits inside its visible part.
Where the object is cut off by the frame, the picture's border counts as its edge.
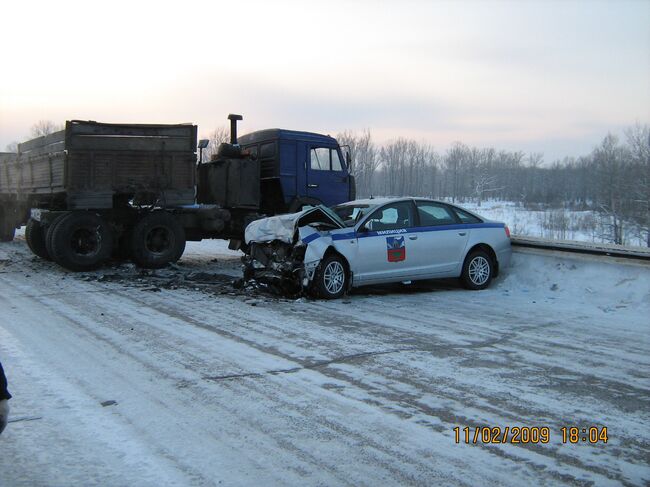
(331, 279)
(80, 241)
(35, 237)
(7, 225)
(157, 240)
(49, 231)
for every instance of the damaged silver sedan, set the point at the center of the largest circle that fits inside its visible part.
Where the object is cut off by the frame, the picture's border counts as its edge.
(328, 251)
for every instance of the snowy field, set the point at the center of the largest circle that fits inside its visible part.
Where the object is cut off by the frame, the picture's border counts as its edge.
(174, 378)
(556, 224)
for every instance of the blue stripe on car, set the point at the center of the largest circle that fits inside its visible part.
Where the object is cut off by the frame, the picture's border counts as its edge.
(437, 228)
(310, 238)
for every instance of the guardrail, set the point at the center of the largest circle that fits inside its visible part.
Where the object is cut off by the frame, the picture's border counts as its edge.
(639, 253)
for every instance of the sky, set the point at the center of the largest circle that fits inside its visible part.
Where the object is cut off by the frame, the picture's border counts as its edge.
(537, 76)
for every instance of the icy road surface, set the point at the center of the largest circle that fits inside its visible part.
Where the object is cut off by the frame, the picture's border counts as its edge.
(172, 378)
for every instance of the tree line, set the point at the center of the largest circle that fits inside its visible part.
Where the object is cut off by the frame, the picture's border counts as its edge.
(613, 179)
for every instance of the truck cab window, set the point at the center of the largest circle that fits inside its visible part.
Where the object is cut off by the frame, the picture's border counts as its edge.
(336, 161)
(320, 159)
(323, 159)
(267, 150)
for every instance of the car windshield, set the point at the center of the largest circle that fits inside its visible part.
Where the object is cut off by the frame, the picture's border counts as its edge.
(350, 213)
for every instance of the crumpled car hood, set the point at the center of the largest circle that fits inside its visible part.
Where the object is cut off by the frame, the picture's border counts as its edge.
(283, 227)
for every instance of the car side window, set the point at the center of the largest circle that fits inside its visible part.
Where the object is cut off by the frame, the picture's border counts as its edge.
(434, 214)
(466, 217)
(391, 217)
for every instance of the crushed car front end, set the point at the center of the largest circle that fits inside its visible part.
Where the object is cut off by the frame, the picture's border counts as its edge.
(284, 251)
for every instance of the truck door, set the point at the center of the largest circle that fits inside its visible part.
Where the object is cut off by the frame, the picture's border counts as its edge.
(327, 176)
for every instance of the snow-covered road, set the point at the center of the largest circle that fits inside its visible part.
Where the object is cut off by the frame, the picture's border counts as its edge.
(187, 383)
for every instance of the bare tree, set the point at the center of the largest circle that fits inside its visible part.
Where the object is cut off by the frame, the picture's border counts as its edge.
(365, 159)
(217, 137)
(535, 159)
(609, 159)
(454, 160)
(45, 127)
(638, 141)
(484, 184)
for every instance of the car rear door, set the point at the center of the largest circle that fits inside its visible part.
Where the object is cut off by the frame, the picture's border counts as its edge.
(444, 238)
(385, 239)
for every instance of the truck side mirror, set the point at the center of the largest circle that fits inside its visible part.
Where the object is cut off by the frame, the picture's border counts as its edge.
(203, 143)
(348, 159)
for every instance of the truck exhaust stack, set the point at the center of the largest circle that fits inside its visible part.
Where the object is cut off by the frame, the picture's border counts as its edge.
(233, 127)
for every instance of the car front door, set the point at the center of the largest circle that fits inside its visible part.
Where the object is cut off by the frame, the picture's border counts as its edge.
(327, 177)
(386, 244)
(443, 236)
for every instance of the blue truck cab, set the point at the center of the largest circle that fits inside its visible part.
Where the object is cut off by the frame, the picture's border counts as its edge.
(299, 169)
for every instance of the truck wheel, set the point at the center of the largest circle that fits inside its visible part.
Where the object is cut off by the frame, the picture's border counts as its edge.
(331, 279)
(478, 270)
(80, 241)
(157, 240)
(49, 231)
(35, 237)
(7, 226)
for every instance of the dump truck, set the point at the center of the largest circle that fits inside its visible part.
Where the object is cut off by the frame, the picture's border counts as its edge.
(95, 191)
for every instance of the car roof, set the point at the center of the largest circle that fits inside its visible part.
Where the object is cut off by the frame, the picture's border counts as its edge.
(375, 202)
(384, 200)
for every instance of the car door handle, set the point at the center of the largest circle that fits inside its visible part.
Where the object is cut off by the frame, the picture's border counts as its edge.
(413, 237)
(462, 234)
(312, 185)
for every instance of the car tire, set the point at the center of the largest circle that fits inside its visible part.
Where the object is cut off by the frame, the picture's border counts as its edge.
(478, 270)
(157, 240)
(35, 238)
(80, 241)
(331, 279)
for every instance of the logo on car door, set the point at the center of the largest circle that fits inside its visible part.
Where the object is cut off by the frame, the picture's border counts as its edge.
(396, 249)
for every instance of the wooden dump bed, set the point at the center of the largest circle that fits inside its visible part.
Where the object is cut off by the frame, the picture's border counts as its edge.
(89, 163)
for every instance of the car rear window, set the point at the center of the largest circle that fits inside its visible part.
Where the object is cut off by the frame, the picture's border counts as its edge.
(433, 214)
(465, 217)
